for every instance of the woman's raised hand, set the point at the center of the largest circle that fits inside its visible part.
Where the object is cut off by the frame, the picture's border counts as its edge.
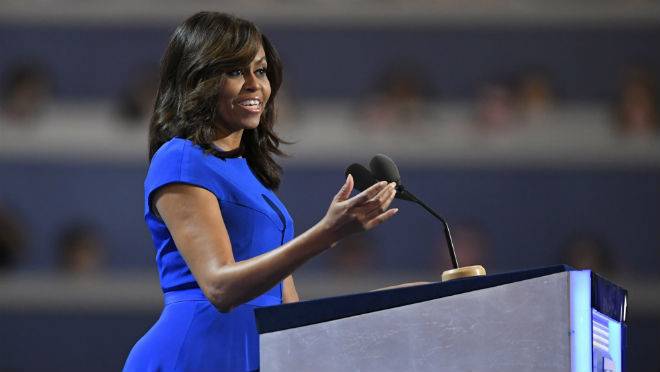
(360, 213)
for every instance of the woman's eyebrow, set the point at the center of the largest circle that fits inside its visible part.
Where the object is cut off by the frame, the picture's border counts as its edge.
(262, 59)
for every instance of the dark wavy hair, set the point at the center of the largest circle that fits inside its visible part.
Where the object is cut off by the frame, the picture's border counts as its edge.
(200, 51)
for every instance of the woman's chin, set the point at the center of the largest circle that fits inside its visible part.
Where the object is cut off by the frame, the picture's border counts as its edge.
(237, 127)
(250, 125)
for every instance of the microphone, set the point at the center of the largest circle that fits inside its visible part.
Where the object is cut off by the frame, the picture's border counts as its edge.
(361, 175)
(384, 169)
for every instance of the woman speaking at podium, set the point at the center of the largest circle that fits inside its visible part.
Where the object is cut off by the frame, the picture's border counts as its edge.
(224, 241)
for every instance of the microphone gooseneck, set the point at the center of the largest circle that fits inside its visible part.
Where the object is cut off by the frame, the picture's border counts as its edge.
(450, 243)
(384, 169)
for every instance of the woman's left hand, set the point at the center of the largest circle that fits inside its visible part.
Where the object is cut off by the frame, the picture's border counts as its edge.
(360, 213)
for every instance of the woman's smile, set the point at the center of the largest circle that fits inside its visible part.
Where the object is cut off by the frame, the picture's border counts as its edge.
(252, 105)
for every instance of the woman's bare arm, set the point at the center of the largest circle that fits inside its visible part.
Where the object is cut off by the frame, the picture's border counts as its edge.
(289, 293)
(194, 219)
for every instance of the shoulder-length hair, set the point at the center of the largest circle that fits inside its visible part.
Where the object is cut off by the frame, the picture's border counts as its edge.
(200, 51)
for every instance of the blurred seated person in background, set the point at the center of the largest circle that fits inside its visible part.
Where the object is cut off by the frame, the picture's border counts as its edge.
(136, 103)
(400, 97)
(588, 251)
(26, 92)
(11, 239)
(636, 110)
(80, 249)
(535, 96)
(495, 112)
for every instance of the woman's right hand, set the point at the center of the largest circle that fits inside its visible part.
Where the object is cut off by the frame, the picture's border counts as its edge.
(362, 212)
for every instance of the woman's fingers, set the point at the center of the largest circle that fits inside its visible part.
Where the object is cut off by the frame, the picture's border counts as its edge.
(366, 195)
(387, 197)
(380, 218)
(388, 200)
(361, 212)
(379, 207)
(345, 190)
(380, 202)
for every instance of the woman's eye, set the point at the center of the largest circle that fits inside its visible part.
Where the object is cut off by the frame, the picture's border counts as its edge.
(261, 71)
(234, 73)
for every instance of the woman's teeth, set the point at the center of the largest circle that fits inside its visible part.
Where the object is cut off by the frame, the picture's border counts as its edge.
(249, 102)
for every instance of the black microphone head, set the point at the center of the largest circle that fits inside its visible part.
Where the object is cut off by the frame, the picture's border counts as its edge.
(361, 176)
(384, 169)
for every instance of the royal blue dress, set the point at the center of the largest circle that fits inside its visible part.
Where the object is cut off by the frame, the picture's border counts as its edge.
(191, 334)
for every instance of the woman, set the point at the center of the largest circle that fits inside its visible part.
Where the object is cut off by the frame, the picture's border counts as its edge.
(224, 242)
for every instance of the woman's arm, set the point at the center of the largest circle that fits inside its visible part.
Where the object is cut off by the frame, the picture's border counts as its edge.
(289, 293)
(194, 219)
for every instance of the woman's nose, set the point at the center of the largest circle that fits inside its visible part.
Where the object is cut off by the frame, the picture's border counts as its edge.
(251, 82)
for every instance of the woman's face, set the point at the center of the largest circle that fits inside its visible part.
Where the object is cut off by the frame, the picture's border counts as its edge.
(244, 94)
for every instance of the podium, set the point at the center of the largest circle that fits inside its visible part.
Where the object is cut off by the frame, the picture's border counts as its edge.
(548, 319)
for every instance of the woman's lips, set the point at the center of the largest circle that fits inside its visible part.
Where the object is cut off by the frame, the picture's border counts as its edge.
(251, 105)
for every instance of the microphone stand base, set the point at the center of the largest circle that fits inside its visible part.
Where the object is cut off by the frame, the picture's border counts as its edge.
(463, 272)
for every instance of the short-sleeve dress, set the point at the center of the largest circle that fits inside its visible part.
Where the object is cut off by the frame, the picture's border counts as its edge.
(191, 334)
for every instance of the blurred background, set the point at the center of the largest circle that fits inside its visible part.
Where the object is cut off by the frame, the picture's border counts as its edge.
(531, 126)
